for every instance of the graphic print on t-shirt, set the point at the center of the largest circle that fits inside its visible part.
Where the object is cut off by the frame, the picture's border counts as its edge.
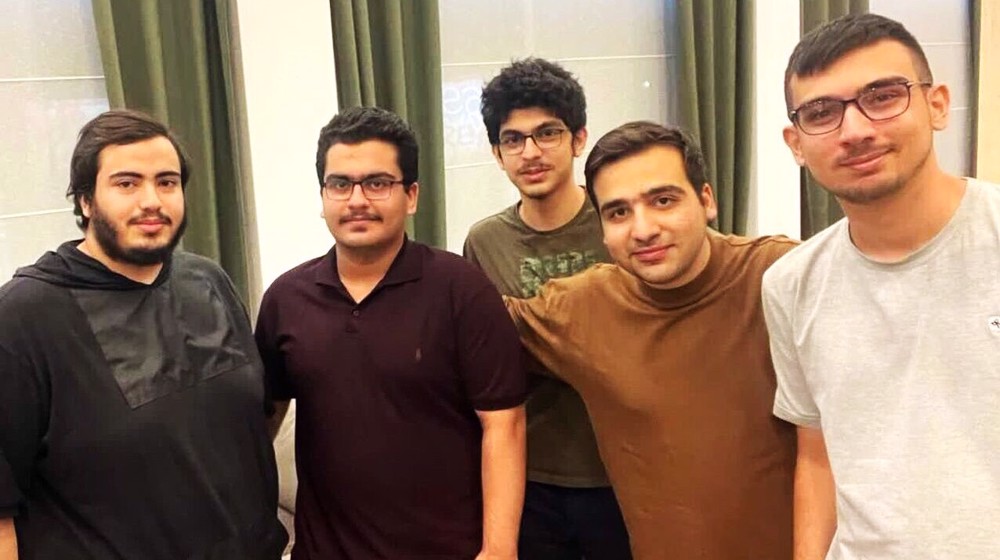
(535, 271)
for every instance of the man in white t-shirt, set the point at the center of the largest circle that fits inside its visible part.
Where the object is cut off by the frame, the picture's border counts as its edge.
(885, 327)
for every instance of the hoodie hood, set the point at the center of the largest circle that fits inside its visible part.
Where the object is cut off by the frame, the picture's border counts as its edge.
(69, 267)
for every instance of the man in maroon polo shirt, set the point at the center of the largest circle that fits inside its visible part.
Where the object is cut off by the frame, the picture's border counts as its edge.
(406, 370)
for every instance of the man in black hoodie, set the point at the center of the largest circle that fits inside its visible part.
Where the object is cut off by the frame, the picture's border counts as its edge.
(131, 395)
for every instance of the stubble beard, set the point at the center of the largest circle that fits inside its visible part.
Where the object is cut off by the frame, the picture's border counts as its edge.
(868, 195)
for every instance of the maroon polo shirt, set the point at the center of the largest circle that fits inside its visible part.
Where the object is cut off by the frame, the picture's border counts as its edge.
(388, 444)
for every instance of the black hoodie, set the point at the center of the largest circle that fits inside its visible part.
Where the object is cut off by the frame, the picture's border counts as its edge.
(132, 415)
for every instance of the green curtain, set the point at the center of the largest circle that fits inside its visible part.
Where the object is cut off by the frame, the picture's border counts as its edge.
(819, 208)
(388, 54)
(172, 60)
(716, 97)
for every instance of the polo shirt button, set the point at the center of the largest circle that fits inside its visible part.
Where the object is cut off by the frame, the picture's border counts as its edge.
(356, 312)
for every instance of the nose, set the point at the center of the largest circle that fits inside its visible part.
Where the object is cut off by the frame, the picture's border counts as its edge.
(531, 149)
(358, 198)
(149, 196)
(856, 127)
(644, 227)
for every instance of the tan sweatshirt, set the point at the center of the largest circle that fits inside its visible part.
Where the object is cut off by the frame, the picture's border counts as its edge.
(679, 386)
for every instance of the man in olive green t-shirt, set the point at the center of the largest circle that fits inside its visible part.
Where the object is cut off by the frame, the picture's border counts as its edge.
(535, 116)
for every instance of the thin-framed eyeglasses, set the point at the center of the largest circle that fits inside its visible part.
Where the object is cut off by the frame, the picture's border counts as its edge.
(547, 137)
(373, 188)
(878, 103)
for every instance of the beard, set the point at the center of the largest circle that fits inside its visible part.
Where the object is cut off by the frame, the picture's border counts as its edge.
(106, 235)
(855, 195)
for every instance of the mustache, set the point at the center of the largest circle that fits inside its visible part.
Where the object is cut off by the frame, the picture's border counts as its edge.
(159, 216)
(362, 216)
(861, 151)
(534, 168)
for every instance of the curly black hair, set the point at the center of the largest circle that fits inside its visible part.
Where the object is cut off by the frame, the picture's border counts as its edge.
(532, 82)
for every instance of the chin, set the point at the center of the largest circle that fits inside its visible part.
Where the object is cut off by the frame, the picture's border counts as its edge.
(862, 194)
(654, 277)
(537, 191)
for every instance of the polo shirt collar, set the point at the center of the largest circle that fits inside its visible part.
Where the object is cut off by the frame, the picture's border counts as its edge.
(406, 267)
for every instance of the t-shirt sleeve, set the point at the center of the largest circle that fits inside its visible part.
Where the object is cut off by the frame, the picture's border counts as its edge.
(489, 351)
(21, 429)
(267, 335)
(469, 251)
(793, 399)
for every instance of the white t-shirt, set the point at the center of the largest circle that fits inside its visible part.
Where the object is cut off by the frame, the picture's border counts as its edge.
(899, 364)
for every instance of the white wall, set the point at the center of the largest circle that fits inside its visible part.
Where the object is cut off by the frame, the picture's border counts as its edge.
(774, 197)
(51, 83)
(291, 92)
(942, 28)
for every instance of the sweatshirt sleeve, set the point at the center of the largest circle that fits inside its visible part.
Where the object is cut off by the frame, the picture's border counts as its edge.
(543, 322)
(21, 427)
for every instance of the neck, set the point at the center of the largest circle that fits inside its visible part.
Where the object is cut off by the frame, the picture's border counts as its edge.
(362, 268)
(555, 210)
(143, 274)
(892, 228)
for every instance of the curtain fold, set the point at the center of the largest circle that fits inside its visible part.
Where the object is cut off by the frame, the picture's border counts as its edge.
(819, 208)
(716, 97)
(388, 54)
(173, 61)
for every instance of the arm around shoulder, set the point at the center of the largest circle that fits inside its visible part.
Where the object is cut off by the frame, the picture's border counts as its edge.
(544, 323)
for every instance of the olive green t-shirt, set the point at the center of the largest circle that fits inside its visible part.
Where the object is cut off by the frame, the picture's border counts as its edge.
(561, 445)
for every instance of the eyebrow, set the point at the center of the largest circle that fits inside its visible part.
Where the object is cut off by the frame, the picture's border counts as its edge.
(136, 175)
(653, 191)
(545, 124)
(873, 84)
(376, 175)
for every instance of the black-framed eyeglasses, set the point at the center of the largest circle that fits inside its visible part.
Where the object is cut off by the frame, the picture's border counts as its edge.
(877, 103)
(548, 137)
(374, 188)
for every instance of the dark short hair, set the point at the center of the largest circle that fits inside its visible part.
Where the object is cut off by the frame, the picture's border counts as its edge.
(635, 137)
(112, 128)
(532, 82)
(360, 124)
(828, 43)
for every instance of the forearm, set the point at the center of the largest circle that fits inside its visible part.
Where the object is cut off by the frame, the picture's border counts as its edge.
(275, 420)
(815, 509)
(8, 540)
(503, 474)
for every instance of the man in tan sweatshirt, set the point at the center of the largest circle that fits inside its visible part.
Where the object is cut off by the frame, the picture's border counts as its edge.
(669, 350)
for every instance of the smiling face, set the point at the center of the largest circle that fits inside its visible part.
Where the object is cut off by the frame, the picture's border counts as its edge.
(360, 224)
(538, 172)
(136, 212)
(863, 160)
(655, 224)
